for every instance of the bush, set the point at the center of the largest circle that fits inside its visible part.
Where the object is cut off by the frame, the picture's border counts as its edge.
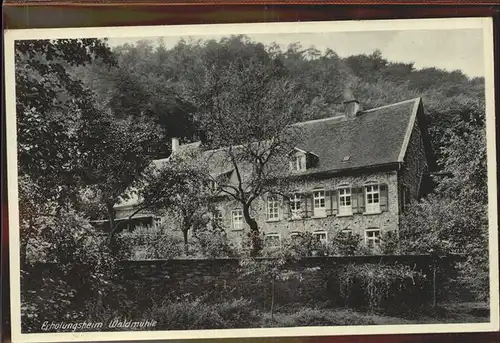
(148, 242)
(306, 244)
(381, 287)
(212, 244)
(196, 315)
(315, 317)
(346, 244)
(68, 260)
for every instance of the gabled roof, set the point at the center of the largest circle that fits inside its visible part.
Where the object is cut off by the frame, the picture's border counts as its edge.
(374, 137)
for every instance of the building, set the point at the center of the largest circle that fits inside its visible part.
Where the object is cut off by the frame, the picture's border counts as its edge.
(352, 173)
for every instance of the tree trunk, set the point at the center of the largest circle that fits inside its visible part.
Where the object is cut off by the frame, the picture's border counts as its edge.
(185, 236)
(254, 231)
(112, 228)
(273, 290)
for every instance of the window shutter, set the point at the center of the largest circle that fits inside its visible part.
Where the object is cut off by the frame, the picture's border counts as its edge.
(328, 202)
(286, 208)
(361, 199)
(308, 205)
(335, 203)
(354, 200)
(383, 198)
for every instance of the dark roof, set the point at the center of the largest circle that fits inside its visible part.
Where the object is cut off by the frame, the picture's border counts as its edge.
(374, 137)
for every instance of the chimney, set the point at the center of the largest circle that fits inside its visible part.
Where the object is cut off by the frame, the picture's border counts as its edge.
(352, 108)
(175, 144)
(351, 105)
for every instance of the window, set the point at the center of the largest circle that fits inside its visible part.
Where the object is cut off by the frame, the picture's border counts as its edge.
(319, 203)
(298, 162)
(372, 239)
(345, 201)
(294, 235)
(157, 221)
(372, 198)
(320, 236)
(273, 208)
(295, 206)
(273, 240)
(217, 218)
(237, 219)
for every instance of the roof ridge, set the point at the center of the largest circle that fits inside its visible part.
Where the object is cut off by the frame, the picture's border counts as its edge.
(390, 105)
(320, 120)
(363, 111)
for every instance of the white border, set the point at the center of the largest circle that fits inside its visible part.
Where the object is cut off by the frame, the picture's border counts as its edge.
(485, 24)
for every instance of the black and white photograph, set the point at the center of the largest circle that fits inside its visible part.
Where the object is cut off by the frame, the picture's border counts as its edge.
(232, 180)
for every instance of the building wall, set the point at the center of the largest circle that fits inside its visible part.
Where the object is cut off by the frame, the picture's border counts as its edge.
(415, 164)
(332, 223)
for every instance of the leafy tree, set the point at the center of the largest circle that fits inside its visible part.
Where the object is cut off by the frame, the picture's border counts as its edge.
(113, 155)
(180, 189)
(454, 219)
(48, 104)
(246, 105)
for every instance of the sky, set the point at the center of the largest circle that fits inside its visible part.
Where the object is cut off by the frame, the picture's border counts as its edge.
(460, 49)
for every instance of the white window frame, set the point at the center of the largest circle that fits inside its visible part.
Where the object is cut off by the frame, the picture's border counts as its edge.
(319, 203)
(374, 239)
(273, 208)
(275, 235)
(294, 235)
(237, 220)
(299, 162)
(372, 198)
(323, 240)
(296, 211)
(344, 195)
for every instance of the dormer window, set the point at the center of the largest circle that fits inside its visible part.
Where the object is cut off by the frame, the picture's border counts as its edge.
(299, 162)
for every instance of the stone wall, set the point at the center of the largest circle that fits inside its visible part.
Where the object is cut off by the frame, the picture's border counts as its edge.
(220, 279)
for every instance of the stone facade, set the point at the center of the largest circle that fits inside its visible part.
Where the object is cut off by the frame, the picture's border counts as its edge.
(333, 222)
(414, 167)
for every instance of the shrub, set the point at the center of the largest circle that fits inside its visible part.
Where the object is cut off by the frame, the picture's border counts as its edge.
(306, 244)
(315, 317)
(148, 242)
(69, 260)
(196, 315)
(380, 287)
(346, 244)
(238, 313)
(212, 244)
